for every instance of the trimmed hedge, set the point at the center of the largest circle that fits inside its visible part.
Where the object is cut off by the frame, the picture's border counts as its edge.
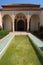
(38, 34)
(3, 33)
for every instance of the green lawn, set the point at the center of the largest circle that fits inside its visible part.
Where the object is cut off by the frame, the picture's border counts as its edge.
(20, 52)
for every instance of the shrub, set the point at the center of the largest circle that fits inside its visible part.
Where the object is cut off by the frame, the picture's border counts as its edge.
(3, 33)
(38, 34)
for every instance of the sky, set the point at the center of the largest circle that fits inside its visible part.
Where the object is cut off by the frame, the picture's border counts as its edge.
(40, 2)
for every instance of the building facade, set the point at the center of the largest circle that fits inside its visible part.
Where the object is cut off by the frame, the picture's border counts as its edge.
(21, 17)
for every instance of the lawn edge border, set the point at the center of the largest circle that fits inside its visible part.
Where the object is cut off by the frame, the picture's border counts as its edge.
(5, 48)
(36, 47)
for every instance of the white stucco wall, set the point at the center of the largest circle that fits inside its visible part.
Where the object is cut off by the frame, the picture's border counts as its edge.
(13, 13)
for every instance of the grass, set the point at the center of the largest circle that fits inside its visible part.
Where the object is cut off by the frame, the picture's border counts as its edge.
(3, 33)
(20, 52)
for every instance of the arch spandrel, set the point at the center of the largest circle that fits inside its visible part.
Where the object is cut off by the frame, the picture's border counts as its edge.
(20, 16)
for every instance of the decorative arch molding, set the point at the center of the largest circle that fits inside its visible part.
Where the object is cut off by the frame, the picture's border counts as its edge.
(7, 22)
(6, 14)
(20, 17)
(35, 15)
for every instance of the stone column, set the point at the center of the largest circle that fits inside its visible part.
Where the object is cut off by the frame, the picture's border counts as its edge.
(1, 23)
(13, 26)
(13, 18)
(13, 22)
(28, 19)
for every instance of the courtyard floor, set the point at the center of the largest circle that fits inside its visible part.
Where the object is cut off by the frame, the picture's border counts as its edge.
(20, 52)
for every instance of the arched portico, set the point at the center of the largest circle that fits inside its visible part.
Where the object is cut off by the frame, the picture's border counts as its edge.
(7, 22)
(20, 22)
(34, 23)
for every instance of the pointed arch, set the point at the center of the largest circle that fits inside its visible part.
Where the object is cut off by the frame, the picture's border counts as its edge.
(7, 22)
(20, 18)
(34, 23)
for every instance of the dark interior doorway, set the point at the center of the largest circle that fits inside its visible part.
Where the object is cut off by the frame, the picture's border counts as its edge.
(20, 25)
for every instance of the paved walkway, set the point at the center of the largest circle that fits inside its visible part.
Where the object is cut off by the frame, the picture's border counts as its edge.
(4, 43)
(37, 42)
(15, 33)
(5, 40)
(20, 33)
